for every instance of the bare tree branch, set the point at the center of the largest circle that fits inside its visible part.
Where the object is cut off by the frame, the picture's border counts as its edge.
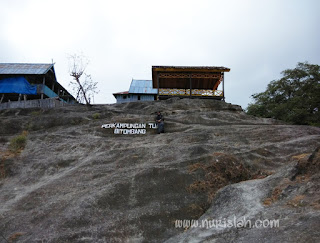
(83, 86)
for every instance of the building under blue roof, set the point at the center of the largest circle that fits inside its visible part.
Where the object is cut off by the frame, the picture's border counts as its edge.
(22, 82)
(140, 90)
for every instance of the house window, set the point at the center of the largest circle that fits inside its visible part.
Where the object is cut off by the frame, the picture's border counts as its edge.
(124, 97)
(138, 97)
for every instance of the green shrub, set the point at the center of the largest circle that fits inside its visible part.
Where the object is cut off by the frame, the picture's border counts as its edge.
(35, 113)
(19, 142)
(96, 116)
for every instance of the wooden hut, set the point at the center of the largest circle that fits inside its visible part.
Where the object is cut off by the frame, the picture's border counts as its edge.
(24, 85)
(185, 81)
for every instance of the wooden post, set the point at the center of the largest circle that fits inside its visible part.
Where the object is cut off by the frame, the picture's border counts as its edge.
(158, 81)
(223, 96)
(190, 86)
(43, 84)
(1, 98)
(19, 99)
(25, 97)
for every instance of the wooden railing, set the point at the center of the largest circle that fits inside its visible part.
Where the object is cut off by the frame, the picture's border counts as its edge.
(38, 103)
(194, 92)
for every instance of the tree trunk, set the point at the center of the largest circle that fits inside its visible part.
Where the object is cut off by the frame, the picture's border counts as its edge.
(84, 93)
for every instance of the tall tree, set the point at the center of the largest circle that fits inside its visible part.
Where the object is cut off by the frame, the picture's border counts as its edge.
(294, 98)
(82, 83)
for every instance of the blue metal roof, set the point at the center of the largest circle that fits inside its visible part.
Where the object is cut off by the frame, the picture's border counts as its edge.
(142, 87)
(24, 68)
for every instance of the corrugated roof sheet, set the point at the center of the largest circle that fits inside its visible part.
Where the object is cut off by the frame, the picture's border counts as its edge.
(142, 87)
(119, 93)
(24, 68)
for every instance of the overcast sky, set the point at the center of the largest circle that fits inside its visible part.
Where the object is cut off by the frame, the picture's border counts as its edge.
(257, 39)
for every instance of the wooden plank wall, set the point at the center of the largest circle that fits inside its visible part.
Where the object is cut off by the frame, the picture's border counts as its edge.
(45, 103)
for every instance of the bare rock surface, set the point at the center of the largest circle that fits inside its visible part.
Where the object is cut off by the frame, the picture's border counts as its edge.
(283, 207)
(77, 182)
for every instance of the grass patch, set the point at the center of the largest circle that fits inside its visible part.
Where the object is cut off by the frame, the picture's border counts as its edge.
(276, 193)
(16, 144)
(14, 237)
(96, 116)
(223, 169)
(297, 201)
(19, 142)
(35, 113)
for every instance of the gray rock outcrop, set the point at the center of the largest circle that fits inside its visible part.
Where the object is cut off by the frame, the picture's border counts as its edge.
(77, 182)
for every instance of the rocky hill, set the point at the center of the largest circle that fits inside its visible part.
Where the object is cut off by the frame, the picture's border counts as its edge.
(73, 181)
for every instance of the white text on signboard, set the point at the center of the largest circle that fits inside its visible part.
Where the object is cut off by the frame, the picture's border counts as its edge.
(130, 128)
